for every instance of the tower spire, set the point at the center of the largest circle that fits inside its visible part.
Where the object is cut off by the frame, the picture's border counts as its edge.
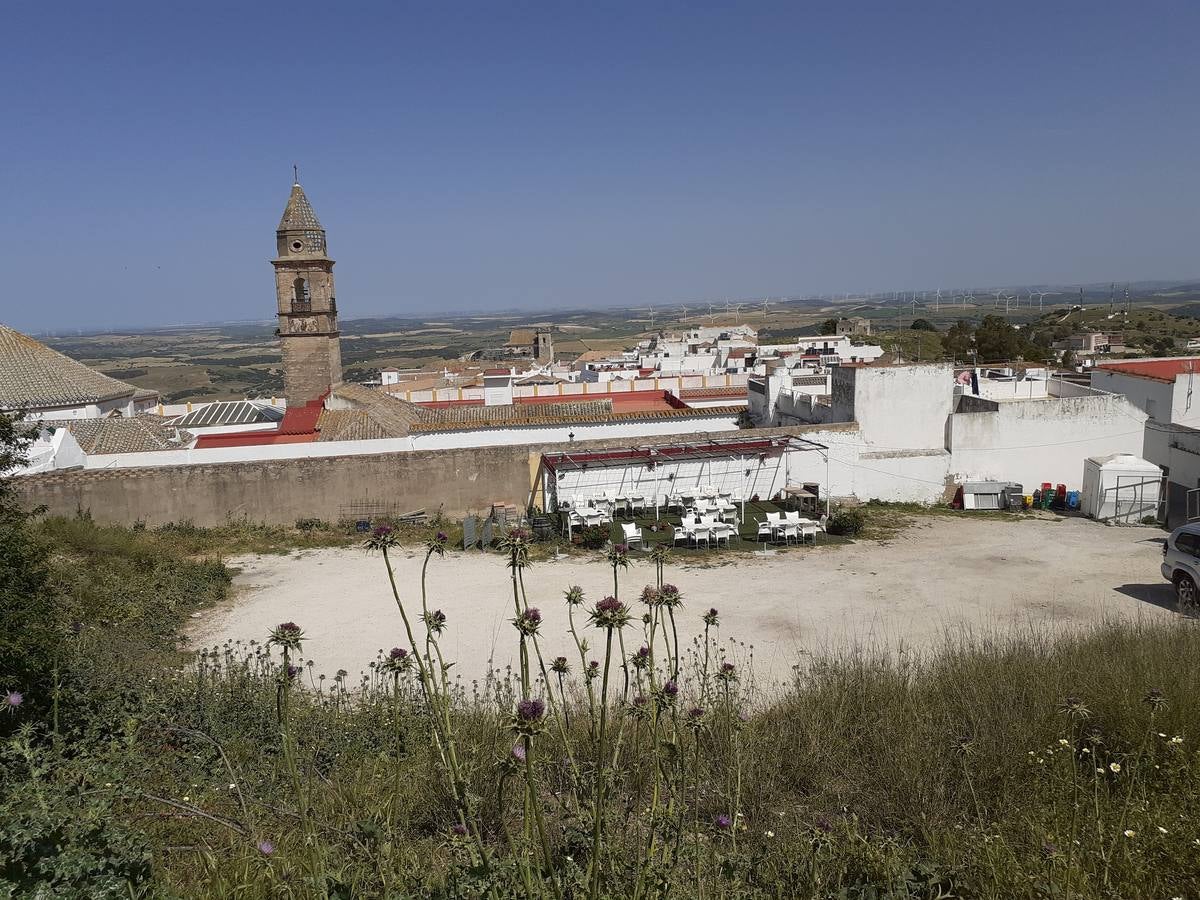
(295, 174)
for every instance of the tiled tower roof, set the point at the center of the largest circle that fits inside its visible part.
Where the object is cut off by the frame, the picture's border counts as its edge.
(34, 376)
(298, 215)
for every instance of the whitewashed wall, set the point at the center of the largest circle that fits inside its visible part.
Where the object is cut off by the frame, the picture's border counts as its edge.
(1032, 441)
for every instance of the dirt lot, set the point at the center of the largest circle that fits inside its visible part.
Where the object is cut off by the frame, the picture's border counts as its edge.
(940, 573)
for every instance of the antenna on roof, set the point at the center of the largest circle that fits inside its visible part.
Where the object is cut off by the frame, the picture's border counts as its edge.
(295, 174)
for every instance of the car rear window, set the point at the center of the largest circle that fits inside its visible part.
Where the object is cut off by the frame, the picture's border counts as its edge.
(1188, 543)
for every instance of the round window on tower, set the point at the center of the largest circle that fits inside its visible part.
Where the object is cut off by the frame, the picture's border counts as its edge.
(297, 246)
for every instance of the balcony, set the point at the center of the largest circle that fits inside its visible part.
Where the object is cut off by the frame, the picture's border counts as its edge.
(301, 306)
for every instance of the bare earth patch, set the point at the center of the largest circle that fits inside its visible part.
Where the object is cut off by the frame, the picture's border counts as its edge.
(938, 574)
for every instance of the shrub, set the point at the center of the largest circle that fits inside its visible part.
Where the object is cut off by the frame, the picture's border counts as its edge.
(846, 520)
(594, 537)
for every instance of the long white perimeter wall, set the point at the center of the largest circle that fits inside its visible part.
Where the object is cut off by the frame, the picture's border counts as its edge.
(674, 384)
(433, 440)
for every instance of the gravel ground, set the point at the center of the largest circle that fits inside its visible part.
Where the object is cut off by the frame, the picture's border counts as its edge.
(941, 573)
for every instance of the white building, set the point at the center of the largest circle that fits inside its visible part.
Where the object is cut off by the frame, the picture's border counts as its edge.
(44, 384)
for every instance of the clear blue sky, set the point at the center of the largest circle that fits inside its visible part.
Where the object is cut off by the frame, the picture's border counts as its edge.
(466, 157)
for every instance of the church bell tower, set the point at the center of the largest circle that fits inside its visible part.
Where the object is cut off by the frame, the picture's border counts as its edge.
(307, 307)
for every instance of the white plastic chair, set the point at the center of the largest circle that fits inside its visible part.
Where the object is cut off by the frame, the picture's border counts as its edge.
(633, 534)
(681, 534)
(767, 530)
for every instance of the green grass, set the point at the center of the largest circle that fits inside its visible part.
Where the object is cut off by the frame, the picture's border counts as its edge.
(969, 770)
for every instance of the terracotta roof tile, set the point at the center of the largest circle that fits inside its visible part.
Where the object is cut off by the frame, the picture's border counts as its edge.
(117, 434)
(32, 376)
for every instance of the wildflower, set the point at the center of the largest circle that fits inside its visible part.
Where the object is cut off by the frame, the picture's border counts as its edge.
(727, 672)
(768, 834)
(287, 635)
(437, 543)
(12, 700)
(650, 595)
(1049, 850)
(743, 716)
(695, 717)
(531, 711)
(660, 553)
(574, 595)
(397, 661)
(669, 596)
(640, 658)
(822, 823)
(593, 670)
(610, 613)
(1074, 708)
(266, 848)
(340, 675)
(638, 706)
(528, 621)
(723, 822)
(1063, 742)
(1155, 699)
(292, 671)
(435, 621)
(1177, 740)
(710, 617)
(560, 665)
(518, 753)
(617, 555)
(670, 690)
(458, 829)
(1114, 767)
(516, 544)
(381, 539)
(1129, 832)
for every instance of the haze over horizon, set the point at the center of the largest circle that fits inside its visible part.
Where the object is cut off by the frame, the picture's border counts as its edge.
(470, 157)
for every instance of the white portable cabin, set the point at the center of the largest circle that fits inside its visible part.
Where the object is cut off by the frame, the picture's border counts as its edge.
(1121, 488)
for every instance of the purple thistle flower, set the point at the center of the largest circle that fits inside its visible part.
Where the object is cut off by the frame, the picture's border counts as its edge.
(696, 713)
(398, 653)
(650, 595)
(574, 595)
(727, 672)
(518, 752)
(266, 848)
(528, 621)
(13, 699)
(441, 537)
(670, 690)
(640, 658)
(382, 531)
(292, 671)
(531, 711)
(723, 822)
(669, 596)
(593, 670)
(560, 665)
(710, 617)
(610, 613)
(458, 829)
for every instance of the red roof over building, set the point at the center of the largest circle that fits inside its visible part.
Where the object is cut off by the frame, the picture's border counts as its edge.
(1166, 370)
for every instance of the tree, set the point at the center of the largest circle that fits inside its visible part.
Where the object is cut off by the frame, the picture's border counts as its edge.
(995, 339)
(922, 325)
(27, 633)
(1068, 359)
(829, 326)
(959, 340)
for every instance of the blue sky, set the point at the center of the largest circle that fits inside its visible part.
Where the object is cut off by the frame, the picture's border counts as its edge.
(469, 157)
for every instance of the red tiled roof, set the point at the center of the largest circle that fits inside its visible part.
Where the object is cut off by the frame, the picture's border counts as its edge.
(1155, 369)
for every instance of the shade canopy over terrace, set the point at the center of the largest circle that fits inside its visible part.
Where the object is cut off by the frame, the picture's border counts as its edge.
(668, 474)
